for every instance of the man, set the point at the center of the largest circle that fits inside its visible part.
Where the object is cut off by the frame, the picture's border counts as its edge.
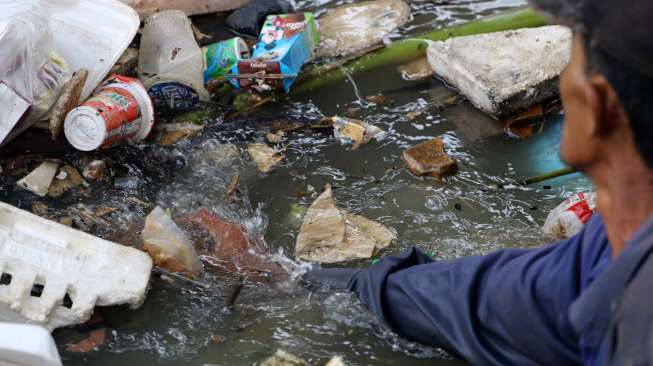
(587, 300)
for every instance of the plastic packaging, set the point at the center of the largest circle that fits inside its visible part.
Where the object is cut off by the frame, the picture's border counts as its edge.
(29, 64)
(169, 247)
(286, 43)
(14, 112)
(121, 110)
(170, 63)
(92, 35)
(221, 57)
(249, 19)
(570, 216)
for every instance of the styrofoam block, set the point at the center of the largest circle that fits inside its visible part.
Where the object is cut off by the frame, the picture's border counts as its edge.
(504, 72)
(28, 345)
(40, 179)
(63, 262)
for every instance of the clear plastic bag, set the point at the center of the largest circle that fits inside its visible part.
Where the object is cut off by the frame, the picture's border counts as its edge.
(28, 62)
(569, 218)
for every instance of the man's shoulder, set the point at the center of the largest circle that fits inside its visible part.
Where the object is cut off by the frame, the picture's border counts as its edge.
(633, 327)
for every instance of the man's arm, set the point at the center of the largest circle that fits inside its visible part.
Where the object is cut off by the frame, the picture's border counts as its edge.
(506, 308)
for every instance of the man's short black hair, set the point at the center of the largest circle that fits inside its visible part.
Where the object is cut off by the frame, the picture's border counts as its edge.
(635, 92)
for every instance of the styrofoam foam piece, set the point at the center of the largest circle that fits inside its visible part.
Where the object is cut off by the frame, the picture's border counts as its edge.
(505, 72)
(39, 180)
(92, 34)
(68, 264)
(28, 345)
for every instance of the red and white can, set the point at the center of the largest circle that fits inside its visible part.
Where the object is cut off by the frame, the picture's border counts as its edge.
(119, 111)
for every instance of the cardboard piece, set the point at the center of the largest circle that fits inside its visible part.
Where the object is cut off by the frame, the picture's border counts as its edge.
(286, 43)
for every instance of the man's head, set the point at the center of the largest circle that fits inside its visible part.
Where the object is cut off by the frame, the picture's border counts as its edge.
(607, 89)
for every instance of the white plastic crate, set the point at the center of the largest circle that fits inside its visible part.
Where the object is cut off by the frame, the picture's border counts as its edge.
(54, 276)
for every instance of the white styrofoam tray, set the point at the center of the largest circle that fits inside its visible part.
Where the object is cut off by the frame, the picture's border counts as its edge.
(54, 276)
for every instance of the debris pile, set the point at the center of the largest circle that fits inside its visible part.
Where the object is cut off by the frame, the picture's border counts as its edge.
(105, 95)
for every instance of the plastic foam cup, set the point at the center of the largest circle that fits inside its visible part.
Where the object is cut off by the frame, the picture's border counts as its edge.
(171, 63)
(119, 111)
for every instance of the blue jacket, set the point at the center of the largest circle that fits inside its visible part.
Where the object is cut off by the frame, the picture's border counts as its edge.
(562, 304)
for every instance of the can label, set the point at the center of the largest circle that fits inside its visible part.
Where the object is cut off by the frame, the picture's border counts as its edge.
(120, 111)
(174, 96)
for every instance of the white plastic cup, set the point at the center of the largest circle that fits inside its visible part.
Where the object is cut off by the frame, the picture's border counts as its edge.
(120, 110)
(171, 64)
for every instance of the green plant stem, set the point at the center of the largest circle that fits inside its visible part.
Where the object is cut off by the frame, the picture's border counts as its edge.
(407, 50)
(548, 176)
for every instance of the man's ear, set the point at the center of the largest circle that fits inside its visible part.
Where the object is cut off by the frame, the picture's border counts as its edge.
(605, 104)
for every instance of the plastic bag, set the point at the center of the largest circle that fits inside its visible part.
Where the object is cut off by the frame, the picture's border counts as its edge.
(570, 216)
(248, 20)
(28, 63)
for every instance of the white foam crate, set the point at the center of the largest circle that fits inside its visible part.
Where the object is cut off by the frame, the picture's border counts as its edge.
(29, 345)
(65, 262)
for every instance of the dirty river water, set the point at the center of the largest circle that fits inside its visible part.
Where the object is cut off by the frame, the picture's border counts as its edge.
(464, 215)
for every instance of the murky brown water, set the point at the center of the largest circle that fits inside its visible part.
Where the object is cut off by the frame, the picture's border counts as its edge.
(463, 215)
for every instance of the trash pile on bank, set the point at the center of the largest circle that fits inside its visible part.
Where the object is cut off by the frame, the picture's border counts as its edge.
(111, 91)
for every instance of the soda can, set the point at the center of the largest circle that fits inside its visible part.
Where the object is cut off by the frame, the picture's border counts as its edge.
(119, 111)
(221, 57)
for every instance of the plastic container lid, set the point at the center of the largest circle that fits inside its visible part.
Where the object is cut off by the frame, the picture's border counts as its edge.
(85, 129)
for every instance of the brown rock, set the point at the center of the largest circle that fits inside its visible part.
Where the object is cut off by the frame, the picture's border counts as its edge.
(68, 100)
(429, 159)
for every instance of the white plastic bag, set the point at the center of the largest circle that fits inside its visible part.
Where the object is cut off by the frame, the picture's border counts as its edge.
(28, 63)
(570, 216)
